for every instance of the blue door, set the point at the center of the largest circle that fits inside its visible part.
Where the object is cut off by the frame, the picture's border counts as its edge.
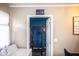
(38, 33)
(37, 38)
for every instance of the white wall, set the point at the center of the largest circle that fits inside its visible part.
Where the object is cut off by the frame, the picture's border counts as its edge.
(62, 26)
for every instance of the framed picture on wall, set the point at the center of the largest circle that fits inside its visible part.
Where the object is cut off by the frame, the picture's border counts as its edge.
(76, 25)
(39, 11)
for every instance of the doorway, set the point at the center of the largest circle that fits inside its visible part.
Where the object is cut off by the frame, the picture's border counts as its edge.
(39, 33)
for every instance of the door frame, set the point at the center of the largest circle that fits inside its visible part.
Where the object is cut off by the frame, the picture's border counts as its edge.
(51, 31)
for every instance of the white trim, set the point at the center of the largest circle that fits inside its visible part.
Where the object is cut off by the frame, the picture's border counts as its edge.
(52, 35)
(39, 16)
(27, 33)
(42, 5)
(51, 32)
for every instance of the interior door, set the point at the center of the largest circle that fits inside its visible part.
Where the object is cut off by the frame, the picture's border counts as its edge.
(48, 38)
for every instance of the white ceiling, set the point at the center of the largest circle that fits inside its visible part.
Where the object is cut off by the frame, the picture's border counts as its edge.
(41, 4)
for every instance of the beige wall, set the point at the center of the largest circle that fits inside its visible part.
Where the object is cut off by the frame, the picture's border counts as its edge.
(4, 7)
(62, 26)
